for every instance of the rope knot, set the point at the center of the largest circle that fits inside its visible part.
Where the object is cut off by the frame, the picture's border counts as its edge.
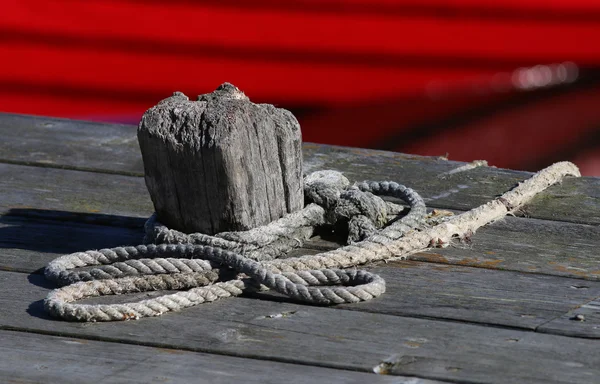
(348, 208)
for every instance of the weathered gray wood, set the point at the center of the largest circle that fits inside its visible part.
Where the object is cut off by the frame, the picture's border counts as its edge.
(28, 188)
(575, 200)
(326, 337)
(389, 332)
(221, 163)
(28, 244)
(477, 295)
(501, 370)
(528, 245)
(70, 144)
(26, 357)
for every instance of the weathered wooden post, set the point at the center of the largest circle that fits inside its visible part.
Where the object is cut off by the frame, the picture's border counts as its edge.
(221, 163)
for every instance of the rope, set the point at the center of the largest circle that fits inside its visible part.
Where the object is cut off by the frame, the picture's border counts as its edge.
(209, 268)
(203, 265)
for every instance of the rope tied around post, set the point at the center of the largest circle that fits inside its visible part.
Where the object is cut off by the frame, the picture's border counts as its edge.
(201, 263)
(204, 265)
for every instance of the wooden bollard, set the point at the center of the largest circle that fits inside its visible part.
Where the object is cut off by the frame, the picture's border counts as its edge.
(221, 163)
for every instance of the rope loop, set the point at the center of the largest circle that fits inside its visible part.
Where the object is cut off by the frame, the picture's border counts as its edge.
(205, 268)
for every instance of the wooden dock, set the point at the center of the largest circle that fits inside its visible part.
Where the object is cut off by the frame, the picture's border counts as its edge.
(521, 303)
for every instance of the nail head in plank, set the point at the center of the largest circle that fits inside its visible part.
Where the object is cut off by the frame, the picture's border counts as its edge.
(582, 321)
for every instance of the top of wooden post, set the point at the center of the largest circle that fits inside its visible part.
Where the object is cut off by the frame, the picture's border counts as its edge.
(221, 163)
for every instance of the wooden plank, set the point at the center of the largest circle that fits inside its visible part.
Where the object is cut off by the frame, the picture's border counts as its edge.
(478, 295)
(70, 144)
(513, 244)
(519, 244)
(575, 200)
(527, 245)
(33, 358)
(482, 296)
(327, 337)
(28, 244)
(26, 188)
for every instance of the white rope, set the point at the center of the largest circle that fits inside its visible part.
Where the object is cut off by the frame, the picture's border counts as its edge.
(227, 264)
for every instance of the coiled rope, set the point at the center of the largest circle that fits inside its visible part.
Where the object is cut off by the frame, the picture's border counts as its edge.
(199, 263)
(203, 265)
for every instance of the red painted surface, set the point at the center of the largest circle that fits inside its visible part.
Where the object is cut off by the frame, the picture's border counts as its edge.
(429, 76)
